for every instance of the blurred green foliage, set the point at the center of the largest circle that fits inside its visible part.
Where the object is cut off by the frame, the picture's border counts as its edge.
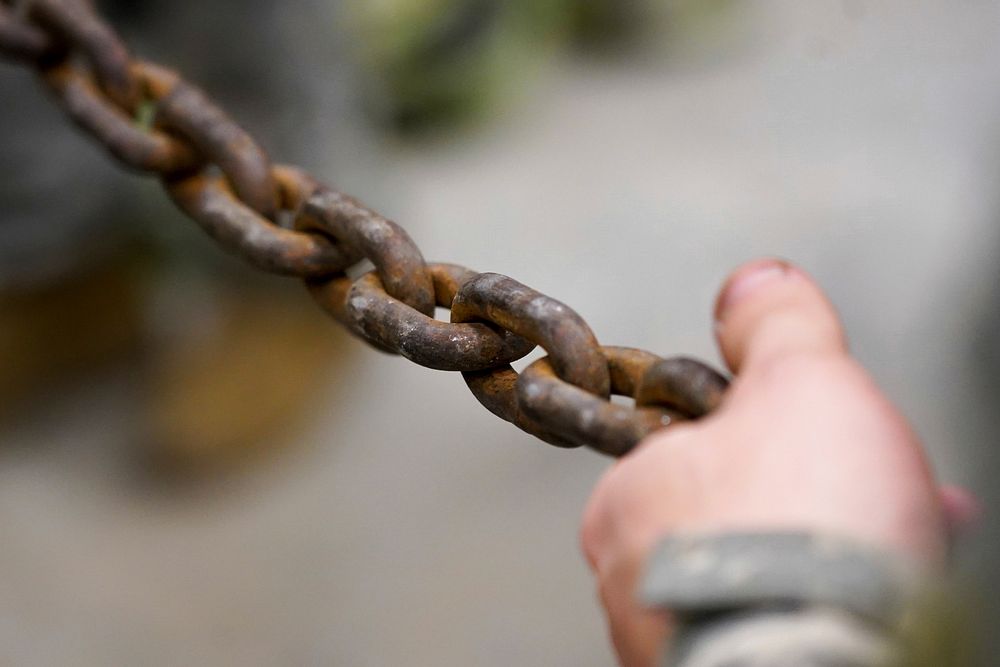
(434, 62)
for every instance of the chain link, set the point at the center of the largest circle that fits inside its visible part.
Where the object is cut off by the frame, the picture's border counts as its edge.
(394, 326)
(282, 220)
(385, 244)
(80, 96)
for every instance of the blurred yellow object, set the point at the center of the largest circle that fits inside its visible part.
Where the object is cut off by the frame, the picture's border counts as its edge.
(209, 402)
(230, 396)
(53, 330)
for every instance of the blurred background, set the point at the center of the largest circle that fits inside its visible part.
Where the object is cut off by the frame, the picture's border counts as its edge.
(197, 467)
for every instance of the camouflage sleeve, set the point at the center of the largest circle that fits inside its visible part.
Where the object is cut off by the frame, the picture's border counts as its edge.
(775, 599)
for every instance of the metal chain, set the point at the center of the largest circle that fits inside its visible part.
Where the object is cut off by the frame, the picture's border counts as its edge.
(221, 178)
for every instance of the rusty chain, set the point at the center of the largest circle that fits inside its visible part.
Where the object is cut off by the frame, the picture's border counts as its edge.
(283, 221)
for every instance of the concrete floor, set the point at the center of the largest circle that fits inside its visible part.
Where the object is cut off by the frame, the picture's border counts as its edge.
(412, 527)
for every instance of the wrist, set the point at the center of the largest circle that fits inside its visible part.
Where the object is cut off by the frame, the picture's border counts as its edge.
(779, 594)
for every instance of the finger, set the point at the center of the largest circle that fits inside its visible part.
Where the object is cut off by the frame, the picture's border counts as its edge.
(768, 309)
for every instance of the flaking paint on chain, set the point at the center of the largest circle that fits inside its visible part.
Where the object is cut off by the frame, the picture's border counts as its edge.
(219, 176)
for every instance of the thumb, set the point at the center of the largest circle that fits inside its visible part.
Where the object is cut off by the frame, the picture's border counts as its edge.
(769, 309)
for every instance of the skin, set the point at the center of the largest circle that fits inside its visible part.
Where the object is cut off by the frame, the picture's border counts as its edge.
(803, 441)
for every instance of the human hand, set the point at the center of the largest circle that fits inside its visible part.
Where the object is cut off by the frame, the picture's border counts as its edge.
(803, 441)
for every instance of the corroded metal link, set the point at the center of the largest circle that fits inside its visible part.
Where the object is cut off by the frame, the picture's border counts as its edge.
(583, 418)
(210, 201)
(22, 41)
(152, 151)
(295, 186)
(576, 354)
(331, 295)
(397, 259)
(393, 325)
(686, 384)
(562, 399)
(75, 22)
(571, 344)
(628, 366)
(496, 390)
(186, 110)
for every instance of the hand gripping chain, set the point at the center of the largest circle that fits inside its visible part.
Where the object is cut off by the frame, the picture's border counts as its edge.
(283, 221)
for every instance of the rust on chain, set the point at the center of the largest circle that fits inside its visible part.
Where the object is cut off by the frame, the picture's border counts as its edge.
(153, 151)
(684, 383)
(208, 200)
(24, 42)
(331, 295)
(295, 186)
(281, 220)
(186, 110)
(495, 389)
(575, 352)
(75, 23)
(392, 325)
(397, 259)
(583, 418)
